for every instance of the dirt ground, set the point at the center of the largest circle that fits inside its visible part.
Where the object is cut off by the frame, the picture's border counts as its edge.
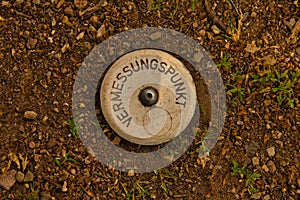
(256, 47)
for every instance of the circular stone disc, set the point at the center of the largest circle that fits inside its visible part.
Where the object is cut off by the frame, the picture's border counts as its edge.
(133, 74)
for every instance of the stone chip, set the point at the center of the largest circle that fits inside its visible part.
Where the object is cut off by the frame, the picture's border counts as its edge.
(30, 115)
(271, 151)
(28, 177)
(31, 43)
(20, 176)
(8, 180)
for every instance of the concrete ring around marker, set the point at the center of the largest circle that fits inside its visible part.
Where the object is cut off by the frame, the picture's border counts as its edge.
(98, 62)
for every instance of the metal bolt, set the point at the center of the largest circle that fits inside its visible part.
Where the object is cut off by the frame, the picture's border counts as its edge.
(148, 96)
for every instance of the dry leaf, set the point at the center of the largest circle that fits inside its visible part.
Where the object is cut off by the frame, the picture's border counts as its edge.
(203, 159)
(269, 60)
(24, 162)
(252, 48)
(14, 157)
(5, 169)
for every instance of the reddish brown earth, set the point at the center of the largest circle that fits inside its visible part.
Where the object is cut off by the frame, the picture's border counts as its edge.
(42, 45)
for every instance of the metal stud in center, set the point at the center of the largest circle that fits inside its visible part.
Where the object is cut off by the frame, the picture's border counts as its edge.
(148, 96)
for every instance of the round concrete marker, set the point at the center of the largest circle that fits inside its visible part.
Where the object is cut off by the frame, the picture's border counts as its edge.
(95, 66)
(148, 97)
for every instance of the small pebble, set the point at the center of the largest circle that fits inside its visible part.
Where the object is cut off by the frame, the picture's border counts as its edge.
(69, 11)
(155, 36)
(271, 151)
(64, 187)
(80, 36)
(215, 30)
(30, 115)
(80, 3)
(239, 123)
(271, 165)
(265, 168)
(255, 161)
(36, 2)
(31, 145)
(56, 110)
(31, 43)
(202, 33)
(298, 50)
(20, 176)
(45, 119)
(73, 171)
(130, 172)
(21, 128)
(8, 180)
(28, 177)
(101, 31)
(94, 19)
(256, 195)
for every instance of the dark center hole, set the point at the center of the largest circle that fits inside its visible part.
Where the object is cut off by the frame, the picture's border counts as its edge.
(149, 95)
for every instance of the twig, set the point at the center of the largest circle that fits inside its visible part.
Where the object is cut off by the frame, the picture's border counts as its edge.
(51, 181)
(237, 34)
(22, 14)
(215, 19)
(91, 9)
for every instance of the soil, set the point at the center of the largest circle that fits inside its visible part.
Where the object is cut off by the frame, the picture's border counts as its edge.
(42, 46)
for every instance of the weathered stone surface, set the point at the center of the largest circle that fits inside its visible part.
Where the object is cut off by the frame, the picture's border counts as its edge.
(271, 151)
(29, 177)
(8, 180)
(30, 115)
(20, 176)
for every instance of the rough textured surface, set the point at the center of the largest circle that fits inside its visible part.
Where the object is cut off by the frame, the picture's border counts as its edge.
(8, 180)
(42, 48)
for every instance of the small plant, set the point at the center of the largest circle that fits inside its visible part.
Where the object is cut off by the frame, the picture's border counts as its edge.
(225, 62)
(157, 6)
(234, 80)
(249, 176)
(66, 159)
(142, 192)
(72, 126)
(194, 4)
(163, 175)
(281, 84)
(34, 193)
(137, 191)
(203, 146)
(239, 91)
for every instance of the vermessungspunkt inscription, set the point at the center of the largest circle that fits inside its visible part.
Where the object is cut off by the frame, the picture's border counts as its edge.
(166, 79)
